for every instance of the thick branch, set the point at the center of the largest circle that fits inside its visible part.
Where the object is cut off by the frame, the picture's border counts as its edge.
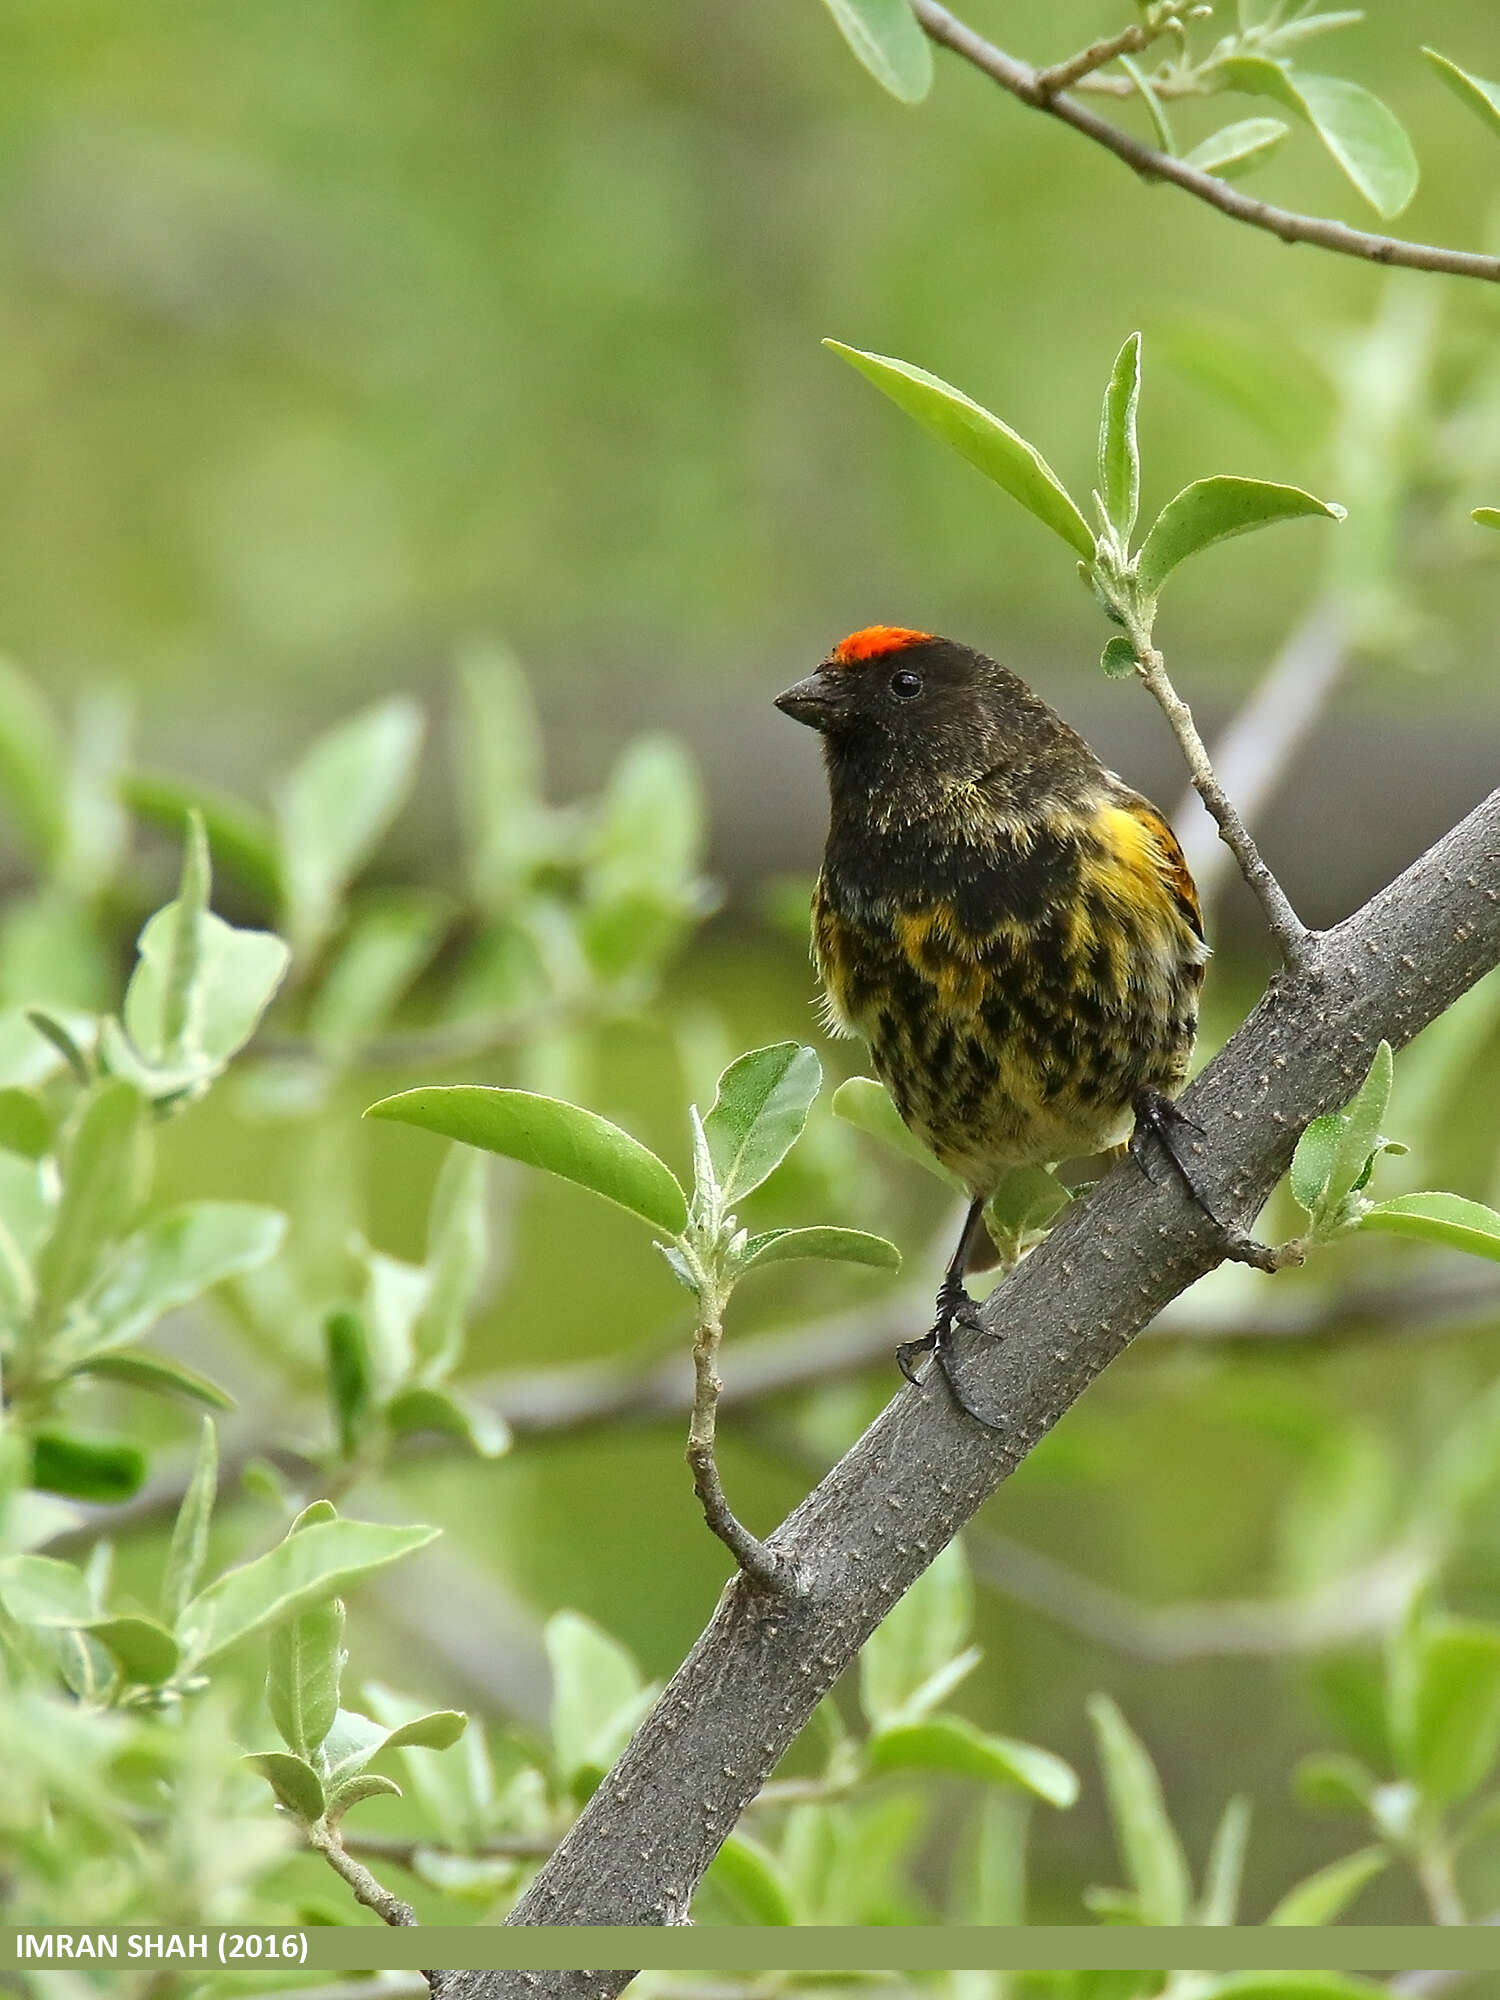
(865, 1534)
(1021, 80)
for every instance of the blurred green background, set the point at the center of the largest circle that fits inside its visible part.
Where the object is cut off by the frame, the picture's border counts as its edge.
(333, 336)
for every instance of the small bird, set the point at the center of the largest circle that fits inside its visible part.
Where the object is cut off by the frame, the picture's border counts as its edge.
(1010, 927)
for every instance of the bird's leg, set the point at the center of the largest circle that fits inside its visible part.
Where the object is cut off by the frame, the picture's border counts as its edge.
(1158, 1117)
(954, 1308)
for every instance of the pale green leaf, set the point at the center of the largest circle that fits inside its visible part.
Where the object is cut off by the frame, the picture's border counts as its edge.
(1147, 1840)
(1119, 453)
(544, 1132)
(296, 1784)
(305, 1569)
(751, 1878)
(1237, 149)
(1363, 135)
(1226, 1865)
(333, 807)
(884, 35)
(920, 1634)
(1446, 1707)
(449, 1414)
(1312, 1163)
(949, 1743)
(1439, 1218)
(1322, 1898)
(103, 1176)
(157, 1373)
(1212, 510)
(758, 1113)
(1118, 657)
(1000, 453)
(838, 1246)
(1362, 1119)
(388, 942)
(864, 1103)
(1487, 517)
(304, 1665)
(189, 1543)
(457, 1252)
(595, 1686)
(1482, 98)
(235, 976)
(146, 1652)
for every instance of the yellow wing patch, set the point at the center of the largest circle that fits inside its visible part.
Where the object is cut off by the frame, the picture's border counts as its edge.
(1149, 868)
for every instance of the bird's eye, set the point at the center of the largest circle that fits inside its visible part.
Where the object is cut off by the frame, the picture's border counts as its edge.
(906, 685)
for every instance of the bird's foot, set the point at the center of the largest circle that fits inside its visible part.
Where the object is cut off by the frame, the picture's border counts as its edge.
(1158, 1118)
(954, 1308)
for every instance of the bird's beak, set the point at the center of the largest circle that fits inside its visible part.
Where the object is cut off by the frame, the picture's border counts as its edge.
(814, 701)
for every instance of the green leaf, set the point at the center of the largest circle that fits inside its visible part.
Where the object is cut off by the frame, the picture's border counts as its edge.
(388, 942)
(1156, 111)
(296, 1784)
(235, 975)
(1322, 1898)
(1237, 149)
(1147, 1840)
(884, 35)
(366, 1785)
(1439, 1218)
(167, 1034)
(1482, 98)
(544, 1132)
(1365, 138)
(1446, 1707)
(1362, 1118)
(175, 1259)
(758, 1113)
(239, 834)
(412, 1411)
(103, 1171)
(457, 1252)
(979, 436)
(1226, 1864)
(26, 1125)
(1026, 1203)
(305, 1663)
(1212, 510)
(155, 1372)
(949, 1743)
(1334, 1783)
(1118, 657)
(304, 1570)
(33, 774)
(346, 1357)
(102, 1469)
(838, 1246)
(750, 1877)
(333, 806)
(39, 1590)
(146, 1652)
(1312, 1163)
(597, 1693)
(1119, 453)
(863, 1102)
(189, 1544)
(1487, 517)
(919, 1635)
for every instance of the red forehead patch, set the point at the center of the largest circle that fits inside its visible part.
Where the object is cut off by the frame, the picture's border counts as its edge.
(873, 641)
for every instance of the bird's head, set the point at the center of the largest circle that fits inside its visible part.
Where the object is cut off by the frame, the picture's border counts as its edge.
(898, 708)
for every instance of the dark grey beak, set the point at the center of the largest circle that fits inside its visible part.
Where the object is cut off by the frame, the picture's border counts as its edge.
(814, 701)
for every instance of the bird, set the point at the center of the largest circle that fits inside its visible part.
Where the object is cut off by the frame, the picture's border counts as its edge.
(1009, 926)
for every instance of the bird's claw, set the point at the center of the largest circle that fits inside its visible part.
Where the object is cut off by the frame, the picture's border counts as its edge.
(1161, 1118)
(955, 1309)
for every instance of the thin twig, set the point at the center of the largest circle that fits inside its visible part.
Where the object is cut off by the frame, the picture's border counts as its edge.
(1255, 750)
(1064, 75)
(753, 1557)
(390, 1909)
(1020, 79)
(1293, 939)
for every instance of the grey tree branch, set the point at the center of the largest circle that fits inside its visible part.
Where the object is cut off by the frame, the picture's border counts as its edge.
(1021, 80)
(862, 1537)
(758, 1562)
(367, 1890)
